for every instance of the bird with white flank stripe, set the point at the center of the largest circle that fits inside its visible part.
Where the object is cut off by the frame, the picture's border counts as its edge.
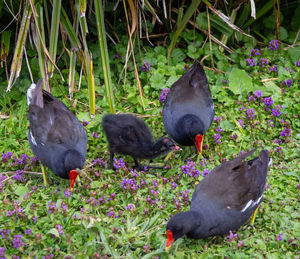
(56, 137)
(224, 200)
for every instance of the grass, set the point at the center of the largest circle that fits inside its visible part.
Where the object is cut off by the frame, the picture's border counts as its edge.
(123, 214)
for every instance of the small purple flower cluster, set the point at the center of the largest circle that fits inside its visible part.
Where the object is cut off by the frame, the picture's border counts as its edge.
(231, 236)
(254, 52)
(276, 111)
(251, 62)
(273, 45)
(241, 122)
(185, 196)
(2, 252)
(205, 172)
(279, 237)
(190, 169)
(118, 55)
(287, 82)
(224, 82)
(18, 176)
(18, 210)
(28, 231)
(5, 233)
(268, 102)
(17, 242)
(6, 157)
(263, 62)
(129, 207)
(250, 114)
(59, 229)
(85, 123)
(99, 162)
(95, 135)
(119, 164)
(163, 95)
(146, 66)
(251, 98)
(68, 192)
(51, 207)
(217, 138)
(273, 68)
(286, 132)
(289, 70)
(258, 94)
(297, 63)
(173, 185)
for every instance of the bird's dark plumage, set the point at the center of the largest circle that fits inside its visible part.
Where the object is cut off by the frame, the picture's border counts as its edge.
(56, 137)
(128, 135)
(189, 108)
(225, 199)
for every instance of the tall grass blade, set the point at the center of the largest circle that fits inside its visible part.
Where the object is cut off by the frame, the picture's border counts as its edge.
(20, 45)
(180, 27)
(5, 44)
(54, 33)
(104, 54)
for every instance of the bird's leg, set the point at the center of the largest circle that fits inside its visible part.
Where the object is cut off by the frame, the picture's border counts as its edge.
(44, 175)
(137, 165)
(253, 217)
(111, 154)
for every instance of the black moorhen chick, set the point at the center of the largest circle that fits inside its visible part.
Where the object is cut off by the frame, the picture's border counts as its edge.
(189, 109)
(56, 137)
(224, 200)
(128, 135)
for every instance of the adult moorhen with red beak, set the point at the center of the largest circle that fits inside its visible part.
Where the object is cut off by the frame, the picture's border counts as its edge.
(189, 109)
(128, 135)
(224, 200)
(56, 137)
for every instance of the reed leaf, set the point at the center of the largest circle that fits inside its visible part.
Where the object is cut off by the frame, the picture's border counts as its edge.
(180, 27)
(104, 54)
(5, 44)
(20, 45)
(54, 33)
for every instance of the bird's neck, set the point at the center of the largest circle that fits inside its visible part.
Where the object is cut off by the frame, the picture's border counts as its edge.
(191, 125)
(191, 221)
(73, 159)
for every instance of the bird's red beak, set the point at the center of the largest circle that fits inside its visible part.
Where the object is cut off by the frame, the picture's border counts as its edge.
(170, 239)
(72, 175)
(199, 143)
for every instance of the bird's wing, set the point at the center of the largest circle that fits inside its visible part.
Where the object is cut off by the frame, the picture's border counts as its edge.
(236, 183)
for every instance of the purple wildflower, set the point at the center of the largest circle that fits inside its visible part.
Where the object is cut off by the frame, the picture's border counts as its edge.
(224, 82)
(205, 172)
(217, 138)
(174, 185)
(254, 52)
(298, 63)
(251, 62)
(129, 207)
(218, 129)
(285, 133)
(217, 119)
(190, 169)
(279, 237)
(5, 233)
(146, 66)
(242, 108)
(276, 111)
(231, 236)
(2, 251)
(234, 136)
(252, 98)
(250, 114)
(185, 196)
(28, 231)
(99, 162)
(52, 207)
(241, 122)
(163, 95)
(85, 123)
(287, 82)
(59, 229)
(273, 45)
(263, 62)
(17, 242)
(258, 94)
(119, 164)
(289, 70)
(95, 135)
(6, 157)
(18, 175)
(68, 192)
(268, 101)
(273, 68)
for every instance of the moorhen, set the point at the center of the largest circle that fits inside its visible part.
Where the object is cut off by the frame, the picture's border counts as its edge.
(128, 135)
(224, 200)
(56, 137)
(189, 109)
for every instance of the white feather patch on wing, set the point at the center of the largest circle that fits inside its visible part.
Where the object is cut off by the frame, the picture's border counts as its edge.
(270, 162)
(247, 205)
(29, 93)
(32, 139)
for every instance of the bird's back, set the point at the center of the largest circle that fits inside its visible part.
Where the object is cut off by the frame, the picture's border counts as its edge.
(54, 129)
(190, 95)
